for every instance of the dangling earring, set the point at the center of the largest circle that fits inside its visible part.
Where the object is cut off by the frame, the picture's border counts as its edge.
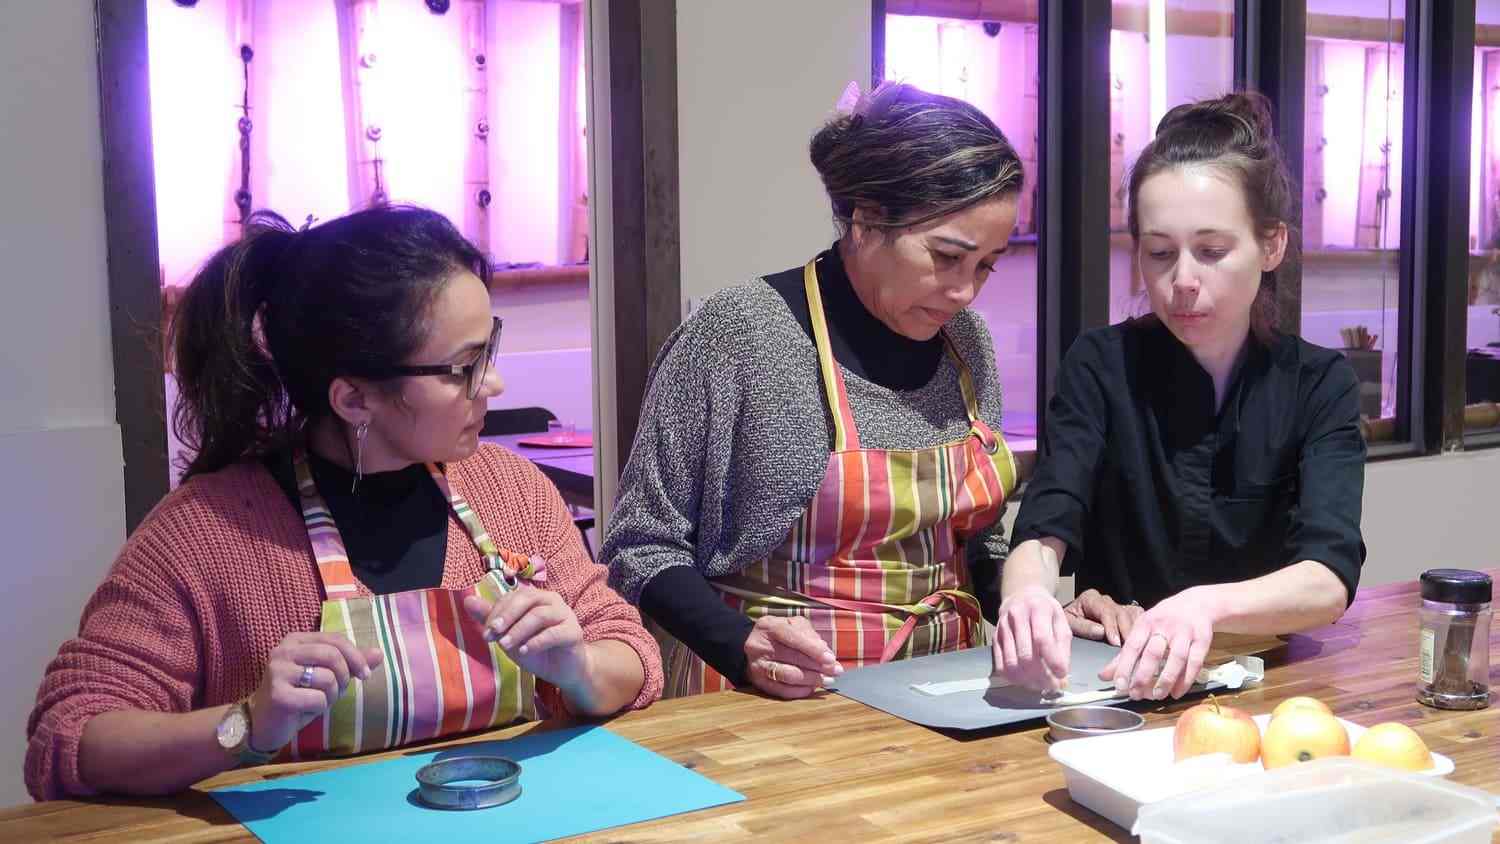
(359, 454)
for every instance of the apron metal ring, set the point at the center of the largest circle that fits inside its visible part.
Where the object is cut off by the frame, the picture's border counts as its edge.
(991, 444)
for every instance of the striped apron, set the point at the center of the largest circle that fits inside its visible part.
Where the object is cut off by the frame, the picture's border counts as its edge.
(876, 562)
(438, 675)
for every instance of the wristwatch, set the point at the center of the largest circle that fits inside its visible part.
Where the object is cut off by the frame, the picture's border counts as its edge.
(233, 734)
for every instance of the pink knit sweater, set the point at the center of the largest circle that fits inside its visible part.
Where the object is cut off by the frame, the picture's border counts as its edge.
(221, 571)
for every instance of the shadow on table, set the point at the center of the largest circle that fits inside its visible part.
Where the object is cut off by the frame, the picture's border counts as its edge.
(1058, 799)
(543, 738)
(261, 804)
(1316, 644)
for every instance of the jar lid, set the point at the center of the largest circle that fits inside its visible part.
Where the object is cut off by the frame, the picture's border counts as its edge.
(1456, 586)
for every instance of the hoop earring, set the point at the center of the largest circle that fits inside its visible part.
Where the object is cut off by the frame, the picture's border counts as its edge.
(359, 450)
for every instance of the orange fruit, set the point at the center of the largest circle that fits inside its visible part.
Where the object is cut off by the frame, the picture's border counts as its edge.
(1394, 746)
(1292, 703)
(1302, 735)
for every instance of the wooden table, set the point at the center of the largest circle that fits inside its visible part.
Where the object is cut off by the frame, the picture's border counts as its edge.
(832, 769)
(571, 469)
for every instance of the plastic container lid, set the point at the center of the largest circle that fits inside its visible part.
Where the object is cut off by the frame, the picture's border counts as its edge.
(1457, 586)
(1335, 799)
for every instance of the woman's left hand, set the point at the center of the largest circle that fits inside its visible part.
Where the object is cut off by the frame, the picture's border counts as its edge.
(1165, 649)
(538, 630)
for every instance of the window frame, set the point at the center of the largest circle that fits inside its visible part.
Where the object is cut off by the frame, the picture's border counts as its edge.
(1270, 38)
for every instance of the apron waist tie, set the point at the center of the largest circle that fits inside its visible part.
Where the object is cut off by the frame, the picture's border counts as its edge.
(966, 605)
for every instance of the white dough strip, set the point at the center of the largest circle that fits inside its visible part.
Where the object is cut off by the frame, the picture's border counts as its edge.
(1234, 674)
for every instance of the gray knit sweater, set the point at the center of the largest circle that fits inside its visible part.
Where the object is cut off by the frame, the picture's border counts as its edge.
(735, 435)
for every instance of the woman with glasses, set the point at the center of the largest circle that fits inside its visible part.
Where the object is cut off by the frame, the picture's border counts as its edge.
(344, 568)
(818, 476)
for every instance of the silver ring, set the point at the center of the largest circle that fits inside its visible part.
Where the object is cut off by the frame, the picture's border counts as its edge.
(771, 671)
(1162, 635)
(306, 680)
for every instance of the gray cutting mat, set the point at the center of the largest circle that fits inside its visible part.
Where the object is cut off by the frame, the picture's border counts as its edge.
(888, 687)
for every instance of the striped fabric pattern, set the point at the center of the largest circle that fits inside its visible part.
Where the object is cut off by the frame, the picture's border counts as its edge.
(876, 562)
(438, 675)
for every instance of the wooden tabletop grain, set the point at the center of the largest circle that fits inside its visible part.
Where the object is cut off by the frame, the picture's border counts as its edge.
(834, 770)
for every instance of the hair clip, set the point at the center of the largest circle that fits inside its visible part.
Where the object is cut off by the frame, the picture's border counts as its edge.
(850, 99)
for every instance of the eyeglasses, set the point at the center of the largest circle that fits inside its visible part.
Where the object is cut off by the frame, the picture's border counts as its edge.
(473, 373)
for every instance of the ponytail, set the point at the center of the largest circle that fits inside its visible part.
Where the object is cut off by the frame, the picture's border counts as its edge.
(231, 404)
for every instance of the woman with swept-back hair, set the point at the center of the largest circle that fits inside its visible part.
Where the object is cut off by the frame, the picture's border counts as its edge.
(1201, 470)
(818, 476)
(344, 568)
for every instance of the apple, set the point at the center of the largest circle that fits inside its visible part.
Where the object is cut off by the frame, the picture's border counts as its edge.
(1296, 703)
(1302, 735)
(1214, 728)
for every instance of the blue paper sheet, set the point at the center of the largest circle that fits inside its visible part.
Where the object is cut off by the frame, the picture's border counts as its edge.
(572, 781)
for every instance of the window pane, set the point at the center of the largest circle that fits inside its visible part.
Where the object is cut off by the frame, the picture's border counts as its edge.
(1351, 191)
(993, 65)
(1482, 364)
(1162, 53)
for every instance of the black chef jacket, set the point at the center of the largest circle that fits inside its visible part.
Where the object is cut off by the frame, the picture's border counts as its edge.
(1154, 490)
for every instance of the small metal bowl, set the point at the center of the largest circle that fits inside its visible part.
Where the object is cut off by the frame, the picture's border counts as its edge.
(499, 782)
(1084, 721)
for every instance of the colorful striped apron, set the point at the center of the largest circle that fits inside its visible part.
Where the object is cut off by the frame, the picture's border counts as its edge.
(876, 562)
(438, 676)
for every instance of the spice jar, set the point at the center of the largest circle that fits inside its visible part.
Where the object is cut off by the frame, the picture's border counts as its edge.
(1454, 639)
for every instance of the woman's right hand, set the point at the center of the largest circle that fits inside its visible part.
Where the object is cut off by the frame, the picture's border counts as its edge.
(786, 657)
(281, 706)
(1033, 642)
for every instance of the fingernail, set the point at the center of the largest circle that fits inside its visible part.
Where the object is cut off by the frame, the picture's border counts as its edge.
(504, 641)
(1119, 684)
(828, 656)
(838, 669)
(524, 648)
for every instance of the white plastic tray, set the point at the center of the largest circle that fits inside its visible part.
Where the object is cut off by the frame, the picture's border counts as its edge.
(1116, 775)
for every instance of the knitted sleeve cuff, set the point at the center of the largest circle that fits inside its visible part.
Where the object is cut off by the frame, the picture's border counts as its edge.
(52, 769)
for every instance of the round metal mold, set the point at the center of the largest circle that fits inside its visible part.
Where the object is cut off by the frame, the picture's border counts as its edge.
(469, 782)
(1086, 721)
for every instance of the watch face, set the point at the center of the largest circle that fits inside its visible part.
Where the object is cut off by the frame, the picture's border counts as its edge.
(232, 728)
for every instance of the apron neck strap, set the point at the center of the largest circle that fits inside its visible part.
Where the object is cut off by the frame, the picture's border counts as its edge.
(509, 563)
(845, 433)
(965, 381)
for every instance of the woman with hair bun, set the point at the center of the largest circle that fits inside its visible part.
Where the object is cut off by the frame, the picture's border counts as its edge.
(818, 476)
(344, 568)
(1201, 470)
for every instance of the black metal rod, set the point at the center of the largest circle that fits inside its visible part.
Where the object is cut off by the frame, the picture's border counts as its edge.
(1073, 185)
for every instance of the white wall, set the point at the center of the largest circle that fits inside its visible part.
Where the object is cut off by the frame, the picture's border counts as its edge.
(1430, 512)
(63, 515)
(755, 80)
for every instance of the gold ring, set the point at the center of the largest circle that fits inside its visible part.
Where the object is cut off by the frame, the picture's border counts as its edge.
(1162, 635)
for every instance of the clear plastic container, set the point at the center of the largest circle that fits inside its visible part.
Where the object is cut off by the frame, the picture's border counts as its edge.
(1333, 801)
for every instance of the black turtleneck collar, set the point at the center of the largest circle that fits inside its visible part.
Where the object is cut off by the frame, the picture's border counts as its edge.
(395, 525)
(860, 342)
